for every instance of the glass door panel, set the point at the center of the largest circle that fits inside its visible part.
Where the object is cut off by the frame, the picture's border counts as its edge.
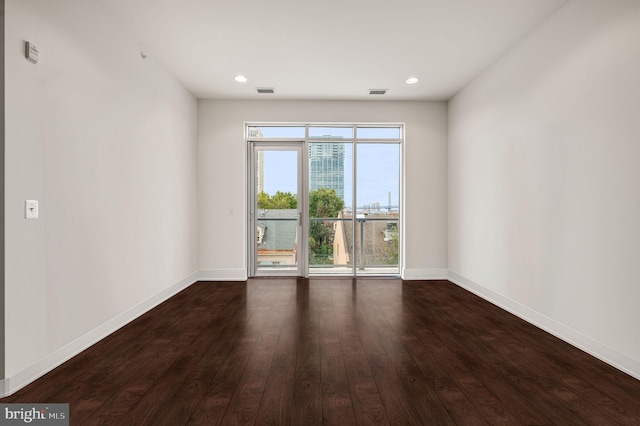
(330, 207)
(377, 211)
(277, 210)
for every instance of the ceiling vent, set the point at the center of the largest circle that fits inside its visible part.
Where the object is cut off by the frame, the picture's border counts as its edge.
(265, 90)
(377, 91)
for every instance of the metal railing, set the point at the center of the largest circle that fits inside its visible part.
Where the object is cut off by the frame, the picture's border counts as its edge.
(376, 247)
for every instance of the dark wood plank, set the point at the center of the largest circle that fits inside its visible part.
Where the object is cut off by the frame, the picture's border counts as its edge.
(367, 403)
(275, 407)
(213, 405)
(245, 403)
(337, 407)
(307, 391)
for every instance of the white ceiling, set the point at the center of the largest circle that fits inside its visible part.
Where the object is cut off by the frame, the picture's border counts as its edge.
(329, 49)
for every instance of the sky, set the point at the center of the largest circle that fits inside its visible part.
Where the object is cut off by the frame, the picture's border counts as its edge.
(377, 166)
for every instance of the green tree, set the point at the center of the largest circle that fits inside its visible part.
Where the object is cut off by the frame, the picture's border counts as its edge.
(323, 203)
(264, 200)
(281, 200)
(284, 200)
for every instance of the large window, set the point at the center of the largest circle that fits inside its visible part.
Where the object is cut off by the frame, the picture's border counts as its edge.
(350, 199)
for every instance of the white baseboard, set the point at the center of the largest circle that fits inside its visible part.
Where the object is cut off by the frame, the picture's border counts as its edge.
(561, 331)
(54, 359)
(4, 388)
(425, 274)
(238, 274)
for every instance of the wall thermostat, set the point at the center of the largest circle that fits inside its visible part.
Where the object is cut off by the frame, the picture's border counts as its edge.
(31, 52)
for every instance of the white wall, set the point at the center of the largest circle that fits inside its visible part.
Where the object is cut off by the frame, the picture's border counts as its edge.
(106, 141)
(544, 179)
(2, 108)
(222, 175)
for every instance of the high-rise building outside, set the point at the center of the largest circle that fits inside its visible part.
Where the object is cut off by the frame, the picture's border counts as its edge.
(260, 171)
(255, 132)
(326, 167)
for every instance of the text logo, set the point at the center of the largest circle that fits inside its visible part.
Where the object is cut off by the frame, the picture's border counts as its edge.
(34, 414)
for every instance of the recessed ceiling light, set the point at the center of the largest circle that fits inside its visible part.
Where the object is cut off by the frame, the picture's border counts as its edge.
(412, 80)
(240, 78)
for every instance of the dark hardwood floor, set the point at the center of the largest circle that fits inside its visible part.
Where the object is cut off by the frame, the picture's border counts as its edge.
(335, 351)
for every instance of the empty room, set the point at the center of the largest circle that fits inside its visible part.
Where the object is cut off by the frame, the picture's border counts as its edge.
(341, 212)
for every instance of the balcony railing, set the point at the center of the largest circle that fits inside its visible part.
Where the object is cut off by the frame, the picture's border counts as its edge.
(334, 247)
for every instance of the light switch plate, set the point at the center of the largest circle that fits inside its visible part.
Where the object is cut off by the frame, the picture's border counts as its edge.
(31, 209)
